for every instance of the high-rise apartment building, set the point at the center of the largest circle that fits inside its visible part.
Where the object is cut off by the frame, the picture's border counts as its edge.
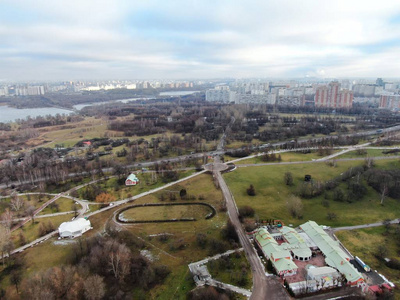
(331, 96)
(390, 102)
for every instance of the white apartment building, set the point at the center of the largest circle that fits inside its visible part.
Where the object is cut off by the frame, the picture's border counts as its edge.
(221, 94)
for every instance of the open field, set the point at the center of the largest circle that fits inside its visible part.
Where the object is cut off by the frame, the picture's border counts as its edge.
(364, 243)
(272, 194)
(62, 205)
(369, 152)
(286, 157)
(170, 212)
(70, 134)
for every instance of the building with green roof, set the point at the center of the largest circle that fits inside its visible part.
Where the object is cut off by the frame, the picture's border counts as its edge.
(132, 180)
(296, 244)
(280, 258)
(334, 254)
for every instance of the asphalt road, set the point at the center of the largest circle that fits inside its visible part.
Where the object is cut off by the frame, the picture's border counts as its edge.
(263, 287)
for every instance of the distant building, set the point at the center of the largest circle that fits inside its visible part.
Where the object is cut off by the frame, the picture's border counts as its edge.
(331, 96)
(380, 82)
(132, 180)
(291, 100)
(74, 228)
(391, 86)
(390, 102)
(365, 90)
(221, 94)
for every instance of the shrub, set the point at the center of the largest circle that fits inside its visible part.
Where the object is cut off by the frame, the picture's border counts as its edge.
(246, 211)
(251, 191)
(288, 178)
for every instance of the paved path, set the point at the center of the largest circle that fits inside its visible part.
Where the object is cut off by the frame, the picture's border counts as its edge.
(56, 197)
(227, 286)
(395, 221)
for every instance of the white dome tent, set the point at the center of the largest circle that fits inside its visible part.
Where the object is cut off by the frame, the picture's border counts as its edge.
(74, 228)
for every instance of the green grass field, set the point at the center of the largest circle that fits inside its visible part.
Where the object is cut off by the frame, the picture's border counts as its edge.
(166, 212)
(286, 157)
(64, 204)
(370, 153)
(364, 242)
(272, 194)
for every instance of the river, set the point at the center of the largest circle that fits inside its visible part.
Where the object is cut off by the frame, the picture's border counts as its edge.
(10, 114)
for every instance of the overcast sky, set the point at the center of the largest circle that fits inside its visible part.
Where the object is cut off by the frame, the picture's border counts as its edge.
(101, 39)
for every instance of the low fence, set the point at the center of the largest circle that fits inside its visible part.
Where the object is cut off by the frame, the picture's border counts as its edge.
(209, 216)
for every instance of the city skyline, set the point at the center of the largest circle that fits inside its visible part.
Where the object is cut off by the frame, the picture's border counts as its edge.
(47, 40)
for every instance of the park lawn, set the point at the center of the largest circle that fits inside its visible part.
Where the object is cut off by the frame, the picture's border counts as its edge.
(147, 182)
(166, 212)
(31, 231)
(230, 274)
(370, 153)
(364, 242)
(64, 204)
(286, 157)
(272, 194)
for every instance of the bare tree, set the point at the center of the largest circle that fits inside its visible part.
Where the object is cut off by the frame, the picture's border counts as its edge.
(7, 219)
(118, 260)
(8, 247)
(384, 191)
(15, 278)
(94, 287)
(30, 211)
(369, 162)
(4, 238)
(75, 209)
(16, 202)
(295, 206)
